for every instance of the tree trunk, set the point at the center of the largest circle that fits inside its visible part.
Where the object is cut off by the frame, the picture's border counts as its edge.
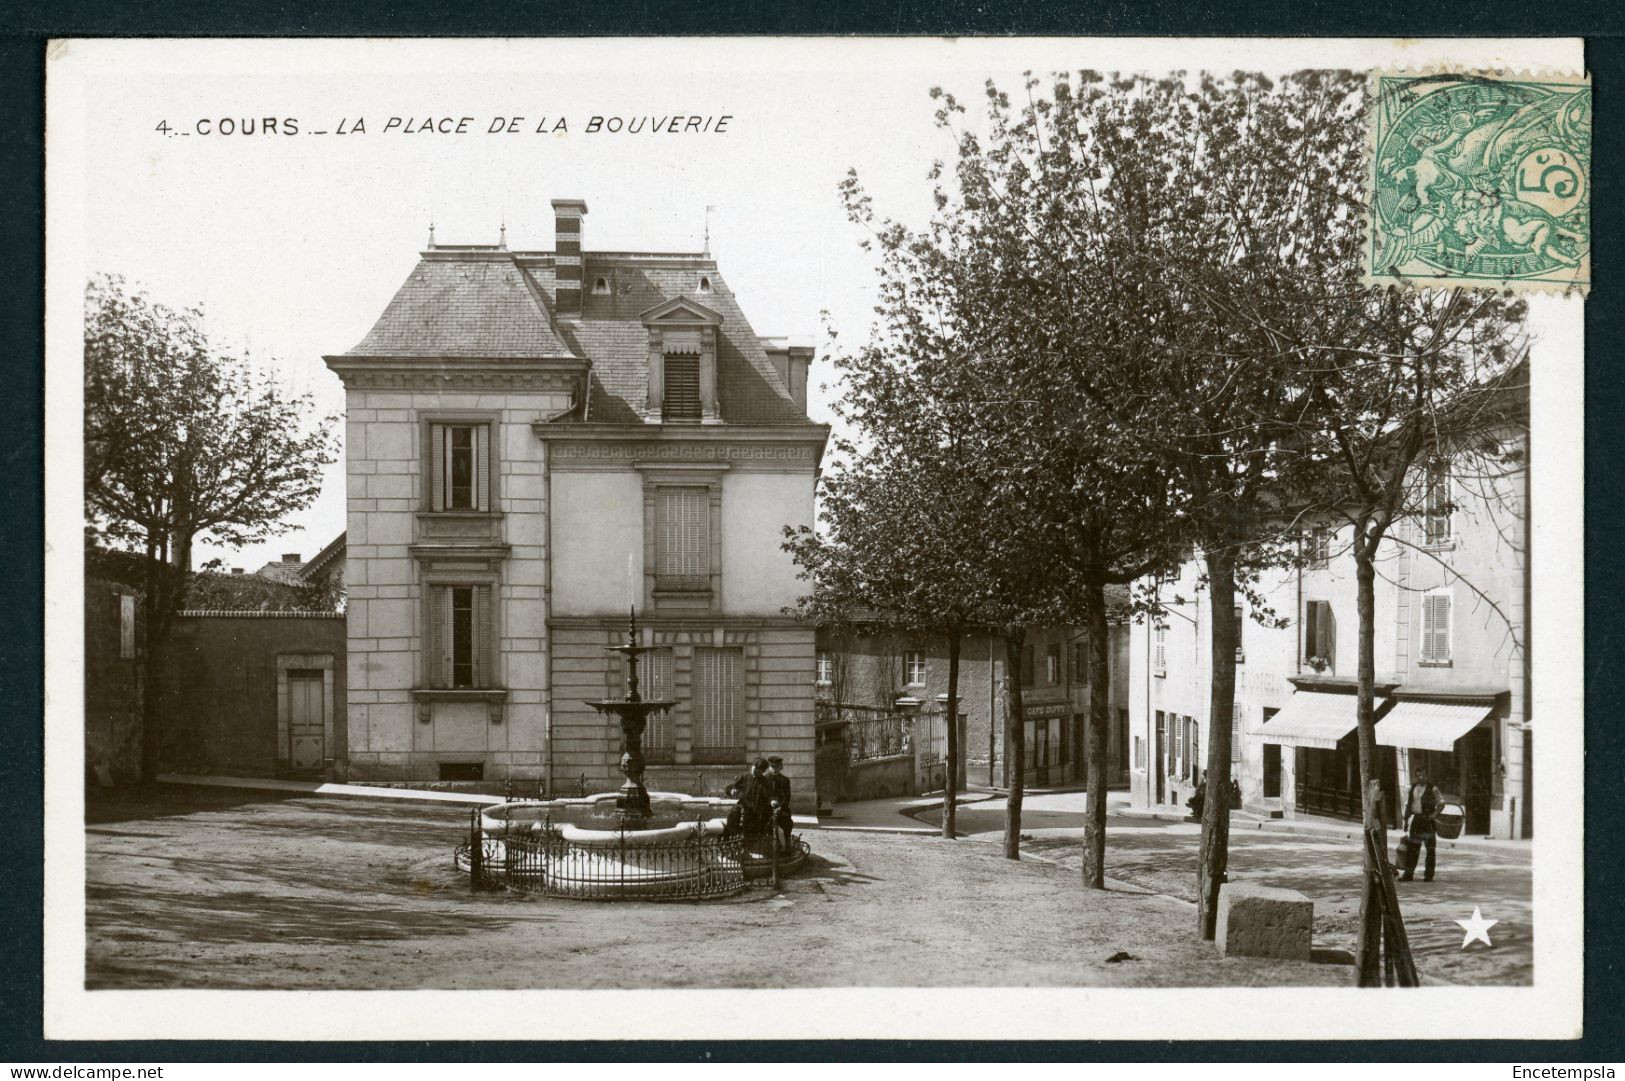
(1368, 948)
(1096, 646)
(1215, 852)
(950, 785)
(1015, 739)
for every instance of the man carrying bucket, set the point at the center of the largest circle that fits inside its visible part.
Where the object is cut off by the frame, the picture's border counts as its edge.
(1421, 811)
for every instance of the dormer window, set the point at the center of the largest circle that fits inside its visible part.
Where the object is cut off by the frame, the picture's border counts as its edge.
(600, 287)
(682, 363)
(705, 284)
(682, 398)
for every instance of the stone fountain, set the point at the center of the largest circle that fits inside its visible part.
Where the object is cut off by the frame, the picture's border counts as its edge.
(632, 711)
(621, 845)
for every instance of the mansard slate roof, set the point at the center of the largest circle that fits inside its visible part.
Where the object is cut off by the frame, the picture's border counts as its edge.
(488, 303)
(463, 308)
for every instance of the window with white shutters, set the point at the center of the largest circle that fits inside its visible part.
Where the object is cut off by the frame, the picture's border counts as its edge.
(1159, 651)
(1139, 752)
(460, 467)
(461, 651)
(1436, 628)
(1436, 511)
(719, 704)
(683, 539)
(682, 388)
(1235, 734)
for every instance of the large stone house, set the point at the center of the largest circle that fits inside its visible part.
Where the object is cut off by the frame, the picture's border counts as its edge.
(538, 441)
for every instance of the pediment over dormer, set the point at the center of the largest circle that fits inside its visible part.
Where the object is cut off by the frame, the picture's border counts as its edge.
(681, 311)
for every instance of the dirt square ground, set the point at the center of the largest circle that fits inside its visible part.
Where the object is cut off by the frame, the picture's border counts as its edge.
(215, 888)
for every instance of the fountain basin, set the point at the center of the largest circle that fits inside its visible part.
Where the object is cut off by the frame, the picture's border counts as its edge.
(578, 848)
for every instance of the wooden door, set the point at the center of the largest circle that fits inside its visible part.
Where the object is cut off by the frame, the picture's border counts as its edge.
(306, 747)
(1159, 767)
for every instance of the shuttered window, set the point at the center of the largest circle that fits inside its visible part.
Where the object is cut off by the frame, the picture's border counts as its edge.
(1235, 734)
(460, 647)
(719, 704)
(1241, 622)
(682, 388)
(1436, 513)
(654, 682)
(460, 467)
(1319, 633)
(1159, 650)
(683, 539)
(1320, 546)
(1436, 628)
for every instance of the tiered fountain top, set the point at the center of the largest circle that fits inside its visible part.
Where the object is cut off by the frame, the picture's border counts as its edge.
(633, 711)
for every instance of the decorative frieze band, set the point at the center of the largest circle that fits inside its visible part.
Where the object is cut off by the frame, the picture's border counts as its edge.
(431, 380)
(683, 452)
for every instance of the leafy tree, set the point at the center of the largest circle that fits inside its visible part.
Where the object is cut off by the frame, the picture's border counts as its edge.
(1420, 378)
(1056, 323)
(182, 442)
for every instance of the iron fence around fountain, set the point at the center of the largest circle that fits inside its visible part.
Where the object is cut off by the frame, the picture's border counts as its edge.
(619, 865)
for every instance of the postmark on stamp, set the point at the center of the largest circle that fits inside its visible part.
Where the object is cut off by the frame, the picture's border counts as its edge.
(1480, 181)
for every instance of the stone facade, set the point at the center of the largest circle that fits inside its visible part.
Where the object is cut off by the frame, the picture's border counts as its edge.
(633, 443)
(1475, 566)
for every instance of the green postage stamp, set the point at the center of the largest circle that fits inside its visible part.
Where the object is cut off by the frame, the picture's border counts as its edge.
(1480, 181)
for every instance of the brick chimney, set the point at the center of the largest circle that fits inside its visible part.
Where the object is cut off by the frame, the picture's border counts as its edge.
(291, 557)
(567, 215)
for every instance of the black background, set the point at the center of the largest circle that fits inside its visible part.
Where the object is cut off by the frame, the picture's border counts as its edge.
(24, 29)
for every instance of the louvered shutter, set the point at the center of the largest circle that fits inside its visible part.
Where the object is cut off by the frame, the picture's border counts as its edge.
(1427, 629)
(482, 467)
(683, 559)
(439, 636)
(1326, 633)
(682, 388)
(437, 467)
(656, 680)
(719, 688)
(1436, 628)
(483, 646)
(1235, 734)
(1161, 661)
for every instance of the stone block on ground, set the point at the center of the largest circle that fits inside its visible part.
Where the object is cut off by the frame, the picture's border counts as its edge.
(1263, 921)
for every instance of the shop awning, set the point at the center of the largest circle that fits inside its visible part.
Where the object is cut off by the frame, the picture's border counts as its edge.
(1430, 726)
(1312, 719)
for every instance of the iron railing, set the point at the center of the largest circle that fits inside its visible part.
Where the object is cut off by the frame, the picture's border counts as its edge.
(611, 865)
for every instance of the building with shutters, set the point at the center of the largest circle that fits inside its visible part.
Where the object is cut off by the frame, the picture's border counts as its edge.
(1452, 655)
(538, 441)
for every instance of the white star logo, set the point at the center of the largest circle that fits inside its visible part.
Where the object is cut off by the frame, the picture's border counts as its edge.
(1477, 927)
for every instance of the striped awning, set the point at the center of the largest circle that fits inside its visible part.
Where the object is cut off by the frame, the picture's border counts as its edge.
(1312, 719)
(1430, 726)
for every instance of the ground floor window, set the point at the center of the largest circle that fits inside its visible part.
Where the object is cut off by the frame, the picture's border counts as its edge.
(719, 704)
